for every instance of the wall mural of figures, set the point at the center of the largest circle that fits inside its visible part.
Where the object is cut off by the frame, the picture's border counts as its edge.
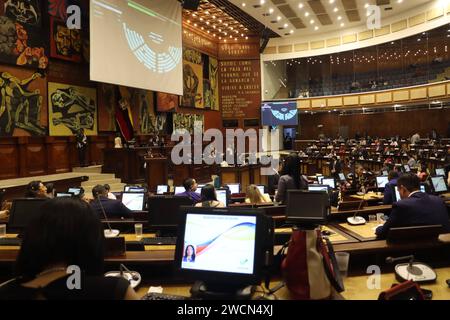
(23, 102)
(192, 79)
(58, 9)
(71, 108)
(189, 122)
(107, 101)
(143, 102)
(166, 102)
(27, 12)
(21, 34)
(214, 83)
(65, 43)
(210, 83)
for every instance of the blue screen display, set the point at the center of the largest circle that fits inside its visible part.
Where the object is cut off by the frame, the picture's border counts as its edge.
(279, 113)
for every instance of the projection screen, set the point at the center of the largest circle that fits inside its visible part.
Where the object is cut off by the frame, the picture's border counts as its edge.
(137, 43)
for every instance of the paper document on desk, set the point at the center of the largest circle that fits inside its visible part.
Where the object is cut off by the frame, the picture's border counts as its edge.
(155, 289)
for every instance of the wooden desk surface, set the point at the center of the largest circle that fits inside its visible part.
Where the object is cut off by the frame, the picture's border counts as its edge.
(336, 236)
(364, 232)
(355, 287)
(368, 197)
(365, 210)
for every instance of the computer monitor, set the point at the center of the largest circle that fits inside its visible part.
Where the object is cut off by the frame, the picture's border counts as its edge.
(64, 194)
(406, 168)
(382, 182)
(230, 246)
(163, 213)
(75, 191)
(23, 211)
(134, 189)
(223, 196)
(385, 173)
(162, 188)
(234, 188)
(329, 182)
(342, 176)
(318, 187)
(179, 190)
(320, 179)
(423, 188)
(307, 207)
(440, 172)
(439, 185)
(135, 201)
(262, 188)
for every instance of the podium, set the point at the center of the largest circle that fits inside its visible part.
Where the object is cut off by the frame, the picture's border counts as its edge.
(156, 172)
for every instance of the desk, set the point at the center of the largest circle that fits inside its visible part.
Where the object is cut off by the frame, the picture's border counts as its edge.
(362, 232)
(336, 237)
(355, 287)
(126, 163)
(364, 211)
(368, 197)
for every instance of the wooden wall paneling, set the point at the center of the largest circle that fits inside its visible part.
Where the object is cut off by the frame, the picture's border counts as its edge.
(33, 156)
(9, 158)
(96, 146)
(58, 155)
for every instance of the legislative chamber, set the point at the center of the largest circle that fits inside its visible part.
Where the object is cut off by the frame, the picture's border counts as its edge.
(225, 150)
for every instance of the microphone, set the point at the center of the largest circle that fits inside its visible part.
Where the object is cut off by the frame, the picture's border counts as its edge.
(357, 220)
(134, 275)
(109, 233)
(411, 269)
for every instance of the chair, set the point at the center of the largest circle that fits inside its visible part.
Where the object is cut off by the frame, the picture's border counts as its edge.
(406, 234)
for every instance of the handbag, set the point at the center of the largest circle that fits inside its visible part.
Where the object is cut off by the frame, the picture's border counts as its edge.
(310, 269)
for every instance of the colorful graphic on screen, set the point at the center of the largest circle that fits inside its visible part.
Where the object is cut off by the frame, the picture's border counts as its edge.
(279, 113)
(219, 243)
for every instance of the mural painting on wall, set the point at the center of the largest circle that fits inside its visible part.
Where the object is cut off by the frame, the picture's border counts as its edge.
(143, 101)
(107, 101)
(65, 43)
(21, 36)
(71, 108)
(188, 121)
(166, 102)
(210, 83)
(192, 79)
(22, 102)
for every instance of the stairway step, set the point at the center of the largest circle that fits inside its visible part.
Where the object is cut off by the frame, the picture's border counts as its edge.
(93, 169)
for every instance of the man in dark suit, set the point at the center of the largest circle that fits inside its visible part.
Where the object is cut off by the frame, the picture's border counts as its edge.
(389, 188)
(113, 208)
(335, 167)
(415, 208)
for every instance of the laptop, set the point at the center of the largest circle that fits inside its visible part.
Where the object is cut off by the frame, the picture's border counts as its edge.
(162, 188)
(438, 184)
(382, 182)
(135, 201)
(179, 190)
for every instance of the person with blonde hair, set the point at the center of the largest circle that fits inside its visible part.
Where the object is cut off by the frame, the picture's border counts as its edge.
(254, 196)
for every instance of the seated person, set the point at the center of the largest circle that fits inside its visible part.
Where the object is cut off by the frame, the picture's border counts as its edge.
(389, 188)
(66, 233)
(415, 208)
(290, 178)
(209, 198)
(36, 189)
(110, 194)
(50, 190)
(254, 196)
(113, 208)
(190, 185)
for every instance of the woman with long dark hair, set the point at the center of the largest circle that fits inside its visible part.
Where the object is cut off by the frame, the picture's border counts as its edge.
(290, 178)
(209, 198)
(66, 237)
